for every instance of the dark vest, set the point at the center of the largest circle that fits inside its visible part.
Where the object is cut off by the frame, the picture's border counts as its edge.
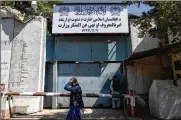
(76, 100)
(116, 85)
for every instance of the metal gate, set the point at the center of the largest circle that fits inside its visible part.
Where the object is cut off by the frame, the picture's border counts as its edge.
(93, 77)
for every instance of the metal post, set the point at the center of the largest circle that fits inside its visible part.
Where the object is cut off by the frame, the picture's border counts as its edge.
(2, 112)
(54, 99)
(132, 101)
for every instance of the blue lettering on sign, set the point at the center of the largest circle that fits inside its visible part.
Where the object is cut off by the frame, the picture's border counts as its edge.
(90, 10)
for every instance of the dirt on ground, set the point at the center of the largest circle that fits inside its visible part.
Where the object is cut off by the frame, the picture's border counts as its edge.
(100, 114)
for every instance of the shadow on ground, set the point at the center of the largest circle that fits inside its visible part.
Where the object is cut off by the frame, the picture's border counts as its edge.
(100, 114)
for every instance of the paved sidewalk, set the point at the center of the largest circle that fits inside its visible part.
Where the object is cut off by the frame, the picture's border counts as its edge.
(101, 114)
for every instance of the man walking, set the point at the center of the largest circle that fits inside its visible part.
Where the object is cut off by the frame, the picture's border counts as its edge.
(115, 90)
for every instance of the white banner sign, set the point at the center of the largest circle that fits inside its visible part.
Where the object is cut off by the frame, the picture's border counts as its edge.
(90, 19)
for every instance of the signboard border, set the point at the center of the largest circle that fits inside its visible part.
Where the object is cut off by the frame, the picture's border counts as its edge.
(121, 4)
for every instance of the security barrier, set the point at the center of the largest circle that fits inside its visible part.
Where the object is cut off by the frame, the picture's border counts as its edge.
(7, 108)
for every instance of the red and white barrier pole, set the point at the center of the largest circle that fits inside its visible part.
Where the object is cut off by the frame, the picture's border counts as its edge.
(132, 101)
(11, 106)
(57, 94)
(129, 98)
(4, 111)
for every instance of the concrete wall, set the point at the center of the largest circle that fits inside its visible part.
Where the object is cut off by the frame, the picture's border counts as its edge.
(23, 58)
(164, 99)
(141, 44)
(142, 72)
(6, 44)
